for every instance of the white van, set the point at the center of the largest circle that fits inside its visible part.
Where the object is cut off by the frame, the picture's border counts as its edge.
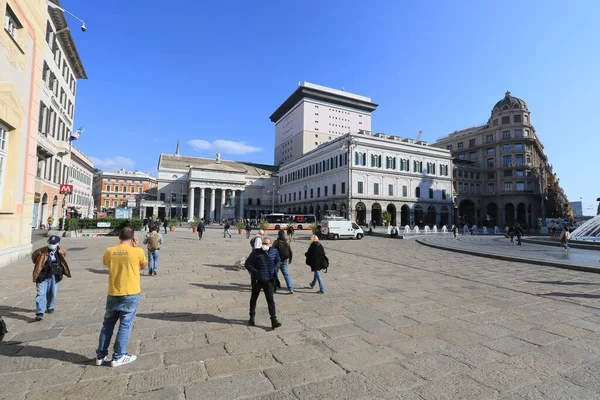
(335, 229)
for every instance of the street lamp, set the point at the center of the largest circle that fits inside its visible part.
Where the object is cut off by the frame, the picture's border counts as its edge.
(181, 207)
(348, 143)
(273, 192)
(51, 4)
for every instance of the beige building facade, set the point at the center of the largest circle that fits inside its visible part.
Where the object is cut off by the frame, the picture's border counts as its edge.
(21, 61)
(501, 173)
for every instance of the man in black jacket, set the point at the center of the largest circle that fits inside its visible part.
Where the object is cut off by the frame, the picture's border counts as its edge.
(263, 264)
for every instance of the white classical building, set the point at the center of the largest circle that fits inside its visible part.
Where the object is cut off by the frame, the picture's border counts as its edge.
(412, 181)
(211, 188)
(315, 114)
(81, 176)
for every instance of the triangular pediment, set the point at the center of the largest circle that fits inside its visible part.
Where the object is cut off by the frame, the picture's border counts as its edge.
(11, 109)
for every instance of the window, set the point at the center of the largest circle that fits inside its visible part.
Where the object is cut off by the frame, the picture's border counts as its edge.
(404, 191)
(326, 189)
(473, 154)
(343, 187)
(491, 188)
(311, 193)
(507, 160)
(417, 192)
(294, 196)
(505, 134)
(258, 202)
(318, 192)
(491, 175)
(333, 190)
(3, 157)
(460, 187)
(495, 122)
(11, 23)
(520, 186)
(460, 145)
(517, 119)
(431, 193)
(443, 194)
(376, 188)
(506, 147)
(518, 146)
(472, 143)
(508, 186)
(490, 162)
(360, 187)
(519, 159)
(518, 133)
(490, 151)
(184, 197)
(161, 197)
(305, 194)
(519, 172)
(508, 172)
(526, 118)
(506, 120)
(390, 190)
(489, 138)
(449, 147)
(461, 156)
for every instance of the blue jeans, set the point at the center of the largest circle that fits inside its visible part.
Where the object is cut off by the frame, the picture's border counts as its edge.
(153, 261)
(286, 275)
(318, 278)
(123, 309)
(46, 295)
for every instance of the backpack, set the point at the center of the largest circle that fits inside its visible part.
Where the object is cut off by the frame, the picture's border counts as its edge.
(284, 250)
(153, 242)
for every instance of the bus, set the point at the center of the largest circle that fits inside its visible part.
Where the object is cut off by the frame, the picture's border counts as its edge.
(277, 221)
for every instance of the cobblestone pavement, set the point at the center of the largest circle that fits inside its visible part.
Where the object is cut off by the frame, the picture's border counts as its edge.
(499, 246)
(398, 321)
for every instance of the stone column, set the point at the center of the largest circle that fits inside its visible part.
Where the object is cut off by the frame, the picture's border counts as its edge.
(241, 204)
(201, 202)
(222, 203)
(191, 204)
(233, 202)
(212, 204)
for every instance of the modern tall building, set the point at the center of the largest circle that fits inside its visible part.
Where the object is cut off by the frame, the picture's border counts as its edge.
(21, 59)
(121, 189)
(315, 114)
(502, 174)
(61, 68)
(80, 203)
(361, 175)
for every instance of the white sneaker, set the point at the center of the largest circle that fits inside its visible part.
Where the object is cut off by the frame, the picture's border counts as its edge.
(126, 359)
(100, 361)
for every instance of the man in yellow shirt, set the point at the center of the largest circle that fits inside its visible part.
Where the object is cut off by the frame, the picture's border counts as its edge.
(124, 263)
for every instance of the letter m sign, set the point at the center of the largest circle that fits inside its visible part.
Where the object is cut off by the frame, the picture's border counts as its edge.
(65, 189)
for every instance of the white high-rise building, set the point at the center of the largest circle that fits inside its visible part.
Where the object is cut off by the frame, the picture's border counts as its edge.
(316, 114)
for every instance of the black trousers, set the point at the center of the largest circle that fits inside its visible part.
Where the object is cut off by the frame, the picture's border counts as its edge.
(267, 287)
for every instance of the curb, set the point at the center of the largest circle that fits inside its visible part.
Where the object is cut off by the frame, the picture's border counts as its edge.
(511, 258)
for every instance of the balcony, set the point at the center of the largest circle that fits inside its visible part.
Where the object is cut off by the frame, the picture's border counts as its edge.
(46, 145)
(63, 147)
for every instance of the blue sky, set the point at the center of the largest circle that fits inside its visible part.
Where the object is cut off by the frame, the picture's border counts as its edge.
(205, 71)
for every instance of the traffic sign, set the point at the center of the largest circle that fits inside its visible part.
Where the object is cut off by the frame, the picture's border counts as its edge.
(65, 189)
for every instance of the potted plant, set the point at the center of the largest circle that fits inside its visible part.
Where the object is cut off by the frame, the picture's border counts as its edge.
(193, 223)
(173, 222)
(387, 217)
(240, 227)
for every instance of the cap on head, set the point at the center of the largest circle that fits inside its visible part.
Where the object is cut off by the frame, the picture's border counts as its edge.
(54, 239)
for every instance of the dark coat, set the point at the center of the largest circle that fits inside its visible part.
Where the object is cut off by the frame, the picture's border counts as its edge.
(315, 257)
(278, 243)
(201, 227)
(256, 263)
(40, 256)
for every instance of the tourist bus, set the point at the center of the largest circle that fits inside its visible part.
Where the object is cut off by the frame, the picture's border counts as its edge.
(277, 221)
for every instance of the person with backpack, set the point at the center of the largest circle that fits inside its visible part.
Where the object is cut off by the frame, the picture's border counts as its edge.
(50, 264)
(564, 238)
(256, 241)
(263, 265)
(201, 229)
(226, 229)
(153, 240)
(317, 260)
(286, 254)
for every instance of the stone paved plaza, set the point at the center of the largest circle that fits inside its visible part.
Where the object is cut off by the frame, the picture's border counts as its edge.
(399, 321)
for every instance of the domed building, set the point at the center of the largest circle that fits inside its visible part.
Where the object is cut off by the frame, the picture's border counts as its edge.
(501, 172)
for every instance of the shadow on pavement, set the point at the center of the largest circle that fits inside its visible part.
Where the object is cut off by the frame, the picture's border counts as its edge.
(14, 349)
(563, 283)
(98, 271)
(190, 317)
(9, 313)
(581, 295)
(235, 287)
(224, 266)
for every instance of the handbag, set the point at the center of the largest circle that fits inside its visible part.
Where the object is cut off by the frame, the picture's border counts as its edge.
(325, 264)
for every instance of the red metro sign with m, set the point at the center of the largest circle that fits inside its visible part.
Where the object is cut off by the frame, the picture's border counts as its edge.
(65, 189)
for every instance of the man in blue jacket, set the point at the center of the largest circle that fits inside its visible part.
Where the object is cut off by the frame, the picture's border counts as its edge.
(263, 264)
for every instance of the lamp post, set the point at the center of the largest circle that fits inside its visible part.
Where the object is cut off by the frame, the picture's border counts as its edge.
(348, 143)
(51, 4)
(181, 207)
(273, 192)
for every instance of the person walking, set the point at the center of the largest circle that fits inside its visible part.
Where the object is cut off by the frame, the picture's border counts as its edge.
(153, 240)
(455, 231)
(256, 241)
(290, 232)
(565, 235)
(50, 264)
(226, 229)
(201, 229)
(511, 235)
(145, 224)
(124, 262)
(263, 264)
(317, 260)
(518, 233)
(248, 229)
(285, 254)
(165, 225)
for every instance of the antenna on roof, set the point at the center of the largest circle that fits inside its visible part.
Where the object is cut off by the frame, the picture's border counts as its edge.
(343, 89)
(177, 149)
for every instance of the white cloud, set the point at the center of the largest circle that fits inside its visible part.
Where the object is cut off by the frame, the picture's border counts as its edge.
(111, 164)
(223, 146)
